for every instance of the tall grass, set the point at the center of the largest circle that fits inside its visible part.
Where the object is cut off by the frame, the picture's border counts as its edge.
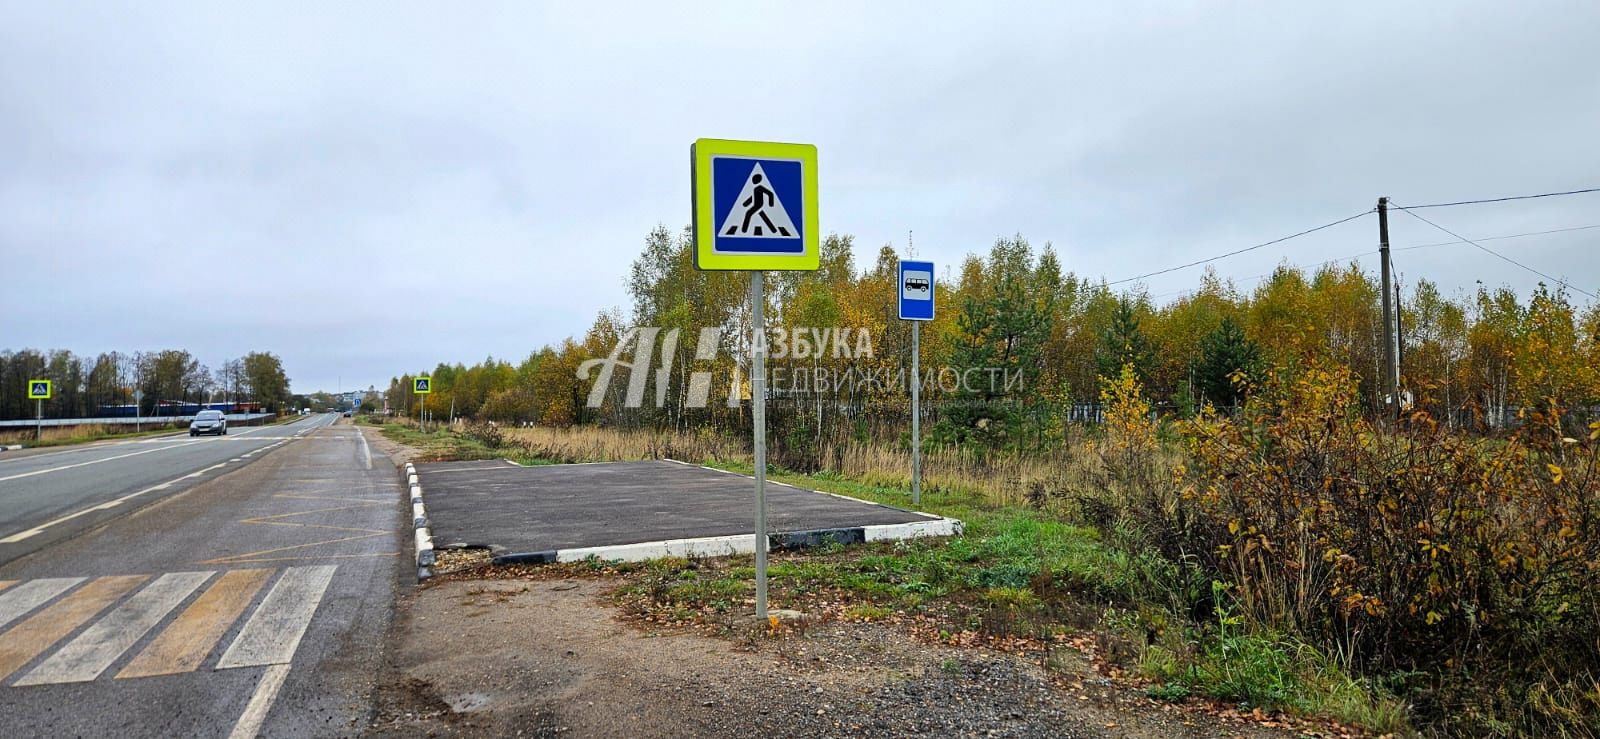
(999, 480)
(57, 435)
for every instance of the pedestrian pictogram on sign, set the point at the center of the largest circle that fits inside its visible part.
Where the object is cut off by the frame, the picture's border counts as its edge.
(755, 205)
(38, 389)
(757, 200)
(420, 386)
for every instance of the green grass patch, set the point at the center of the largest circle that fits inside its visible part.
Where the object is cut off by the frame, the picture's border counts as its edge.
(440, 444)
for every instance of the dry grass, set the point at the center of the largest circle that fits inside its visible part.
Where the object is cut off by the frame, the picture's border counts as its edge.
(1000, 479)
(54, 435)
(594, 444)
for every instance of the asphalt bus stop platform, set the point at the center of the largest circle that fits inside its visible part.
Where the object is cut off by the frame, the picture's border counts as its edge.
(641, 510)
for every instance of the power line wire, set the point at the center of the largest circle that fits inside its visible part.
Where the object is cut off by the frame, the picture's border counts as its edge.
(1241, 251)
(1337, 260)
(1263, 276)
(1558, 282)
(1495, 200)
(1498, 238)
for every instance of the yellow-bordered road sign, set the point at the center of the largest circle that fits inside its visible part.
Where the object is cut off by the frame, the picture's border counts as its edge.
(755, 205)
(421, 385)
(39, 389)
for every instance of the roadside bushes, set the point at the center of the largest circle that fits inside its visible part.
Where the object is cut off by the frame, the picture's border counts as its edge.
(1470, 565)
(485, 433)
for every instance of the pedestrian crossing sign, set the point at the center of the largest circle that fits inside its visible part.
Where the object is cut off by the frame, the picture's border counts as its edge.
(421, 385)
(38, 390)
(755, 205)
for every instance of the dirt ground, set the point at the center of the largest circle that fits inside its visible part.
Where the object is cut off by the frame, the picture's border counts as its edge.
(553, 658)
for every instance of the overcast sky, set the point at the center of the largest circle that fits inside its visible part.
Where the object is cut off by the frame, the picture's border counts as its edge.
(367, 189)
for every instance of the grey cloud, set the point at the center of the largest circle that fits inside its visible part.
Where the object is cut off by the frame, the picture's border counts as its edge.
(379, 187)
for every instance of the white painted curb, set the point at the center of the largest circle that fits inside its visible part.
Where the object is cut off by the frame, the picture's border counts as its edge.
(419, 521)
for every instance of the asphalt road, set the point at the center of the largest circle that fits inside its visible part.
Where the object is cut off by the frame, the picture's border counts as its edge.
(53, 494)
(227, 586)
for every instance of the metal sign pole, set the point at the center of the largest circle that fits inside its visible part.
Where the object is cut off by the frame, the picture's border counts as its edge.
(758, 412)
(422, 415)
(916, 413)
(38, 417)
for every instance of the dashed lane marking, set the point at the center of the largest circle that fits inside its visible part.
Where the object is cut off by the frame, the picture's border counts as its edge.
(37, 530)
(33, 636)
(64, 467)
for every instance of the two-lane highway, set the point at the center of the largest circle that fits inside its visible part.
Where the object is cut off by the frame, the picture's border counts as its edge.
(245, 588)
(51, 495)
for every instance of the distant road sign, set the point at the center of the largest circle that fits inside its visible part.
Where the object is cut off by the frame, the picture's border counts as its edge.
(755, 205)
(39, 390)
(421, 385)
(916, 291)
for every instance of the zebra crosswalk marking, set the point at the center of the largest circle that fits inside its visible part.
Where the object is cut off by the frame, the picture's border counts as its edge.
(184, 645)
(40, 631)
(30, 595)
(88, 655)
(107, 617)
(273, 632)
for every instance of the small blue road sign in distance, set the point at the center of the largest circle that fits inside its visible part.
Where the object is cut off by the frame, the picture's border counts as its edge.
(916, 291)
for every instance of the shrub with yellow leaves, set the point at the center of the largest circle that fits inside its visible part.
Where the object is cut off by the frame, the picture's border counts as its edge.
(1412, 548)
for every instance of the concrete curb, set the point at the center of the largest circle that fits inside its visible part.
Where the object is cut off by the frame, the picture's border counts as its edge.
(720, 546)
(10, 447)
(419, 522)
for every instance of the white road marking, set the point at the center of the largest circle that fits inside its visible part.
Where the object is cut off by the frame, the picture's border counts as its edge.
(17, 601)
(468, 469)
(273, 633)
(366, 453)
(108, 505)
(255, 713)
(48, 470)
(84, 658)
(96, 445)
(35, 531)
(165, 439)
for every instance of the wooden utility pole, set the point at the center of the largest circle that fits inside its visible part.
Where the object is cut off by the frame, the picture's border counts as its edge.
(1391, 367)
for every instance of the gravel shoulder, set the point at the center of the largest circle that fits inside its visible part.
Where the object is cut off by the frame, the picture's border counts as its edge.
(547, 657)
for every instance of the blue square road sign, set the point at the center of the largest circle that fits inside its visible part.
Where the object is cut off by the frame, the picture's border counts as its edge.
(755, 205)
(916, 291)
